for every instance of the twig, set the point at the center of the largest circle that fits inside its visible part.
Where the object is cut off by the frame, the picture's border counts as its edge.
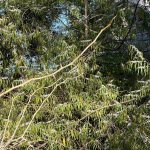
(109, 106)
(8, 119)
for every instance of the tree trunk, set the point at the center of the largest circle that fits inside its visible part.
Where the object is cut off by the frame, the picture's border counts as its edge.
(86, 18)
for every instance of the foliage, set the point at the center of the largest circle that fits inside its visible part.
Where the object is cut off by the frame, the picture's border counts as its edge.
(57, 94)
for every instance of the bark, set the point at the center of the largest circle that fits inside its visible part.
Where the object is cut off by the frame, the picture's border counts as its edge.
(86, 18)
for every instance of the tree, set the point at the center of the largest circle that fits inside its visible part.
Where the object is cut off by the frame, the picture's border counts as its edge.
(75, 89)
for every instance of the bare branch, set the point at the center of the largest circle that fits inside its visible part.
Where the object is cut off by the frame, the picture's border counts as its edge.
(62, 68)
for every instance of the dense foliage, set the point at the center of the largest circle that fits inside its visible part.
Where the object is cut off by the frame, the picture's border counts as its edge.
(74, 75)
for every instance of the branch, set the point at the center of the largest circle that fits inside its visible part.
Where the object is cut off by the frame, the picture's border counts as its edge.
(62, 68)
(39, 108)
(96, 110)
(130, 28)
